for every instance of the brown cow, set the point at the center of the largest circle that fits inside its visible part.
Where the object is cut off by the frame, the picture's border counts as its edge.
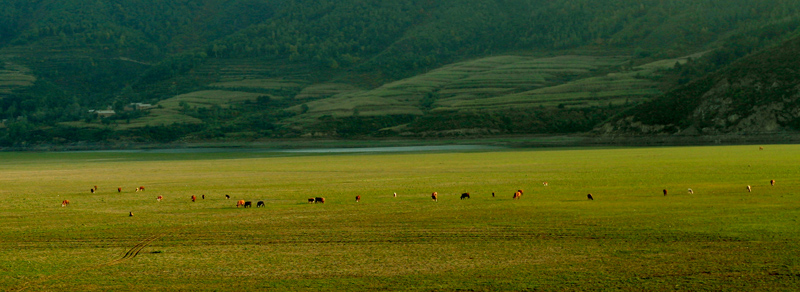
(160, 198)
(545, 184)
(310, 200)
(194, 198)
(517, 195)
(358, 198)
(590, 197)
(95, 188)
(435, 196)
(248, 204)
(772, 182)
(665, 192)
(749, 189)
(260, 204)
(465, 196)
(239, 203)
(140, 189)
(319, 200)
(760, 148)
(64, 203)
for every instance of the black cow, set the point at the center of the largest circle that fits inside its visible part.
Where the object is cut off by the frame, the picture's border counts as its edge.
(590, 197)
(248, 204)
(319, 200)
(260, 204)
(465, 196)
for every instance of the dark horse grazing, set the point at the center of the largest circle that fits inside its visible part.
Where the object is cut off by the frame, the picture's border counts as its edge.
(465, 196)
(260, 204)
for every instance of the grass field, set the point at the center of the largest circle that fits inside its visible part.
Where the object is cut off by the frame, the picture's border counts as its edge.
(630, 237)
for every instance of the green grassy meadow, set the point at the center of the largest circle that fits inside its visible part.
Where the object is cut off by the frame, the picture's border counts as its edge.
(630, 237)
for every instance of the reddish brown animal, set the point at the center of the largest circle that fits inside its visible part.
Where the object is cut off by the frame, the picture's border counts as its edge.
(239, 203)
(160, 198)
(517, 195)
(665, 192)
(319, 200)
(760, 148)
(194, 198)
(64, 203)
(140, 189)
(95, 188)
(358, 198)
(435, 196)
(749, 189)
(119, 190)
(772, 182)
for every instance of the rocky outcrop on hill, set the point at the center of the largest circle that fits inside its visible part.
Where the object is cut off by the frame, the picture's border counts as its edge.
(759, 94)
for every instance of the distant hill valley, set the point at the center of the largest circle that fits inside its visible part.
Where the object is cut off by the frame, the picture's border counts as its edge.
(77, 72)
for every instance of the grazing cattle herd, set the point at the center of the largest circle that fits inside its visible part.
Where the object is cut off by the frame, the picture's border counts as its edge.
(434, 196)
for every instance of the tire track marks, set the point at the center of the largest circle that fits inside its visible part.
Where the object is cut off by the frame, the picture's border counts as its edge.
(130, 254)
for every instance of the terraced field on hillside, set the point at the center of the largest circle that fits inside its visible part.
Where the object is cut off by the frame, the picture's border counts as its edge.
(494, 83)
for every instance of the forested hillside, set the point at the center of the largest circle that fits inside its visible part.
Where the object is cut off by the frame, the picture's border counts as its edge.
(259, 69)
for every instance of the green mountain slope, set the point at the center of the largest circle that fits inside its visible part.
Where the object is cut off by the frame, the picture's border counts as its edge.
(755, 95)
(250, 69)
